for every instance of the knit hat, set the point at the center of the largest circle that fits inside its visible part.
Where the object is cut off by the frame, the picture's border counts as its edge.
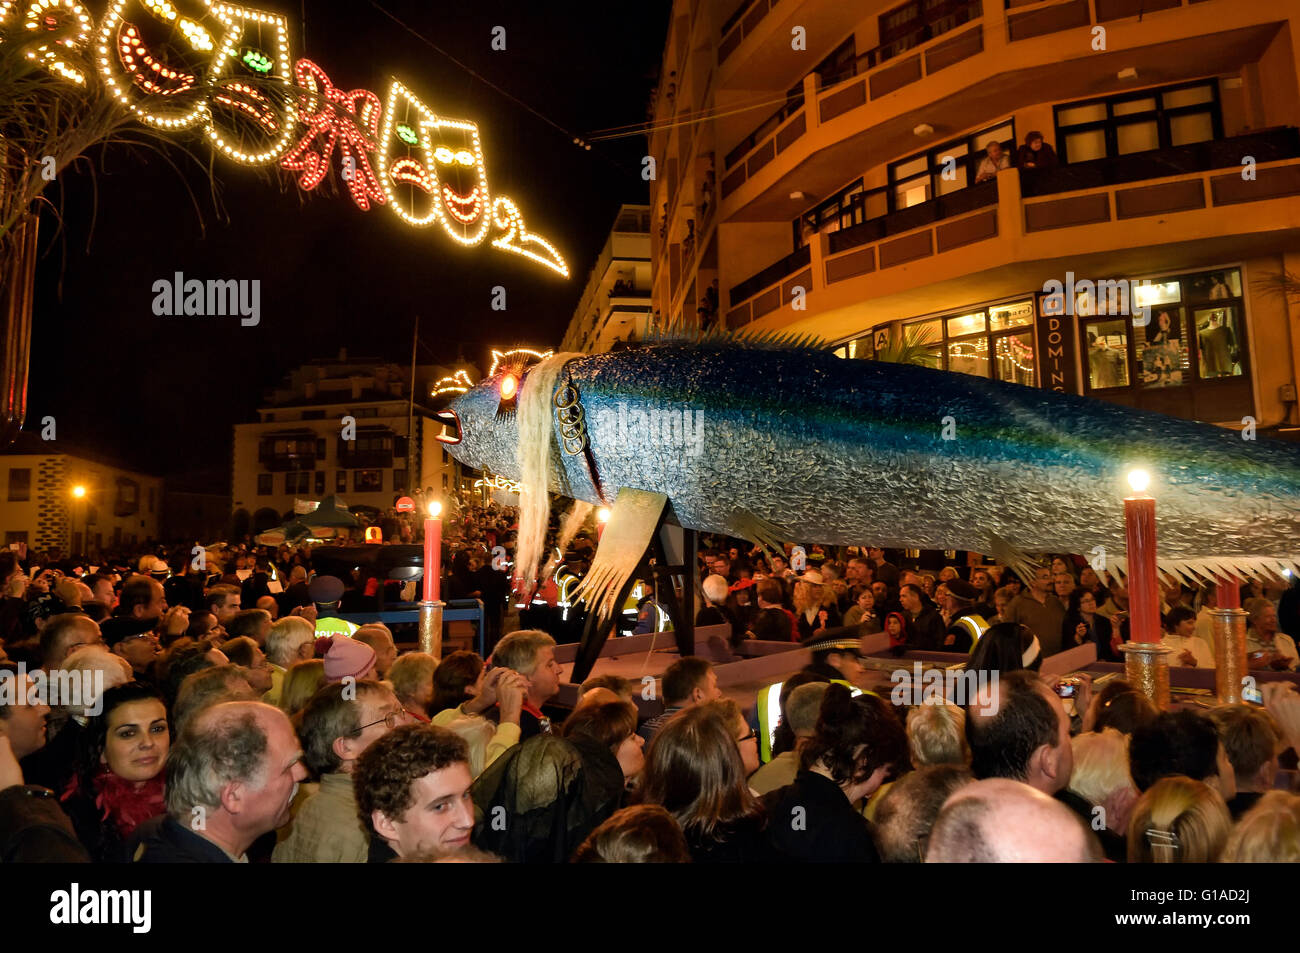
(348, 657)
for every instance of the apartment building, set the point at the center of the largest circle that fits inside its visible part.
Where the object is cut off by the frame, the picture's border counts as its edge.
(68, 500)
(340, 427)
(822, 169)
(615, 303)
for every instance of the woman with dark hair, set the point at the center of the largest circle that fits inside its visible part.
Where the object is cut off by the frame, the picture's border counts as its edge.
(605, 735)
(1006, 647)
(695, 772)
(457, 679)
(1084, 624)
(857, 746)
(118, 782)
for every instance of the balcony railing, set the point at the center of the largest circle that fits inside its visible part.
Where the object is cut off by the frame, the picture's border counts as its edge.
(1268, 145)
(769, 125)
(872, 58)
(280, 462)
(773, 273)
(906, 219)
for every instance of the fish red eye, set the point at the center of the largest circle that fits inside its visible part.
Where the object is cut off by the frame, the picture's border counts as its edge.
(509, 387)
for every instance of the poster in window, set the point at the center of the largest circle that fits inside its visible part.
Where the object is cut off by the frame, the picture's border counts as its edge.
(1162, 349)
(1107, 354)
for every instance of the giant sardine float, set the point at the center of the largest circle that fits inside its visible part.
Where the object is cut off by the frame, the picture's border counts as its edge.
(771, 441)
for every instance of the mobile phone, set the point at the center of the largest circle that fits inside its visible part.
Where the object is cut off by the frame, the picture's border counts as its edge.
(1253, 695)
(1067, 688)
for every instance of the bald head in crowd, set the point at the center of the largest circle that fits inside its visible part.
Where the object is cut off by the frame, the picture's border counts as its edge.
(1018, 729)
(999, 821)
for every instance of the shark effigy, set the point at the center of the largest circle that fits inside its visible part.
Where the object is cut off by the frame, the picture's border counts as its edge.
(777, 439)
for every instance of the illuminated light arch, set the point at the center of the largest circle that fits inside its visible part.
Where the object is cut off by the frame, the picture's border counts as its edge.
(216, 66)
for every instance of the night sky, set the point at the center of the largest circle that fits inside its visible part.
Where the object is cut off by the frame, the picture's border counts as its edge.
(161, 394)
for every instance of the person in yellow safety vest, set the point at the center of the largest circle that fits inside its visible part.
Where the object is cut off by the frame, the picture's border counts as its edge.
(956, 599)
(325, 592)
(836, 657)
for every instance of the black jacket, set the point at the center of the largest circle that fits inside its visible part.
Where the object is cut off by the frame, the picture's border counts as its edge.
(33, 830)
(161, 840)
(927, 630)
(746, 841)
(51, 766)
(812, 821)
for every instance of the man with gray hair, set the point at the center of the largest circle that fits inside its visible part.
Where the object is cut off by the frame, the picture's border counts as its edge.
(1000, 821)
(339, 723)
(230, 779)
(211, 686)
(292, 639)
(531, 653)
(801, 711)
(908, 810)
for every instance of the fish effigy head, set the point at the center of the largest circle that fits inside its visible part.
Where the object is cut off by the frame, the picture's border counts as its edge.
(483, 426)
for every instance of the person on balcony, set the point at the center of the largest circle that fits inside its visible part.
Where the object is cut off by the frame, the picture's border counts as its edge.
(995, 160)
(1036, 154)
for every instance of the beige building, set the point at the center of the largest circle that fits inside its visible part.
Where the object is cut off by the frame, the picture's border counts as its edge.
(840, 183)
(615, 304)
(339, 427)
(41, 506)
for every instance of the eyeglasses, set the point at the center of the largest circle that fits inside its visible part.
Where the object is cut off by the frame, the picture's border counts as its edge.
(749, 737)
(390, 720)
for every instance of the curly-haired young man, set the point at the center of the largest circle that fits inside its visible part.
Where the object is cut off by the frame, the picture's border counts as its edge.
(412, 788)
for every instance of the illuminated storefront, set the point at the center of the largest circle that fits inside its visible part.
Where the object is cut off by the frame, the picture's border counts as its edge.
(1173, 343)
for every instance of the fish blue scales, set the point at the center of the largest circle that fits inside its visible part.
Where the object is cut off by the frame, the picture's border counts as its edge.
(843, 452)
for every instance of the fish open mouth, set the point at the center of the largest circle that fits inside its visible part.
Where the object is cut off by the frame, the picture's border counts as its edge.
(450, 418)
(464, 208)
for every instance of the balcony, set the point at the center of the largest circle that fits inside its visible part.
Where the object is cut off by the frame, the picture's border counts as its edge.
(871, 116)
(289, 450)
(984, 240)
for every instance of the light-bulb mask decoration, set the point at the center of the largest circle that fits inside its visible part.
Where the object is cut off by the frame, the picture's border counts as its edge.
(460, 179)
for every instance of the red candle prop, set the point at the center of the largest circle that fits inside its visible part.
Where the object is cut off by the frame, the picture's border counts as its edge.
(1143, 587)
(433, 553)
(1229, 593)
(602, 517)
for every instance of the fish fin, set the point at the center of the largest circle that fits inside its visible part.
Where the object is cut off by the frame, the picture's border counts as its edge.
(758, 530)
(1014, 558)
(1199, 572)
(632, 522)
(683, 333)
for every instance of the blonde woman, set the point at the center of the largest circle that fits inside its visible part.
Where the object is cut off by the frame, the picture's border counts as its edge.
(1178, 821)
(1269, 833)
(811, 609)
(1100, 780)
(301, 682)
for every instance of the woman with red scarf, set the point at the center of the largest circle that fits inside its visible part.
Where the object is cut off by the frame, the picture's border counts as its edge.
(119, 778)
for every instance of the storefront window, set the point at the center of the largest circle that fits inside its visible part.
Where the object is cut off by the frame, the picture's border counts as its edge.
(969, 356)
(1015, 358)
(1184, 330)
(1218, 337)
(1107, 354)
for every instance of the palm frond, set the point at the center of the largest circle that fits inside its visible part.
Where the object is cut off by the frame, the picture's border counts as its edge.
(914, 346)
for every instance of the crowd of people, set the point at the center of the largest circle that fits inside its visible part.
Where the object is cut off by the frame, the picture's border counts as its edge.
(209, 730)
(1066, 604)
